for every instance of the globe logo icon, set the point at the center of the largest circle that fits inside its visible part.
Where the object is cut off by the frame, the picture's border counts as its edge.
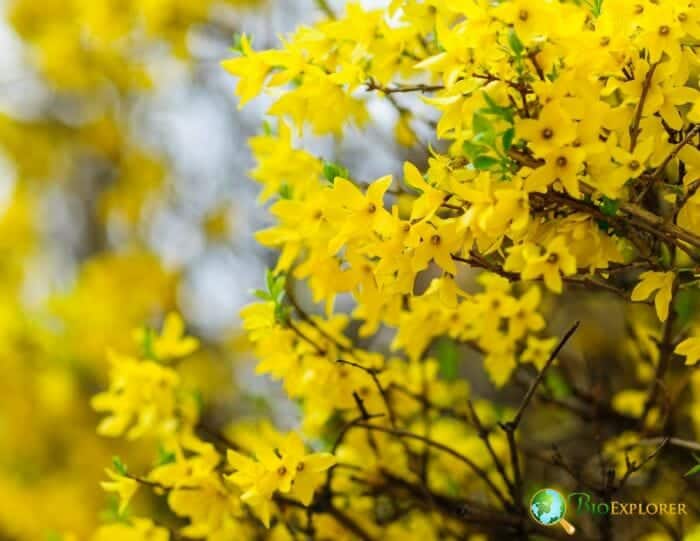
(548, 508)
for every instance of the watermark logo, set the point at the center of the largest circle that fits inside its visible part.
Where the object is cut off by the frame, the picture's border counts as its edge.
(548, 508)
(583, 502)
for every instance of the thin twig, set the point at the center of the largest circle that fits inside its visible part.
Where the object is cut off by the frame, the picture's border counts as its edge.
(633, 467)
(646, 86)
(371, 84)
(445, 449)
(515, 422)
(324, 6)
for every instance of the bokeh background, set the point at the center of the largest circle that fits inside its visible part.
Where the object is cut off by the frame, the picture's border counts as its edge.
(124, 194)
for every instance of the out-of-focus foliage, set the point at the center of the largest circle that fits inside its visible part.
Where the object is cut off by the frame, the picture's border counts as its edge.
(65, 303)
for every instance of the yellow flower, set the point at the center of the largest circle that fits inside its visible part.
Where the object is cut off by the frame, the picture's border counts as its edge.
(287, 469)
(140, 398)
(555, 261)
(690, 349)
(124, 486)
(435, 243)
(430, 199)
(538, 351)
(630, 402)
(139, 529)
(171, 343)
(662, 31)
(526, 317)
(563, 165)
(552, 130)
(659, 282)
(251, 68)
(361, 214)
(500, 363)
(307, 469)
(529, 20)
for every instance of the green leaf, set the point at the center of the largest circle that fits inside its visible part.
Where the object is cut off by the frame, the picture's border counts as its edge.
(493, 108)
(692, 471)
(665, 255)
(609, 207)
(332, 170)
(507, 138)
(198, 399)
(557, 384)
(236, 45)
(111, 513)
(515, 44)
(262, 295)
(597, 7)
(119, 466)
(472, 150)
(603, 225)
(687, 304)
(269, 278)
(481, 124)
(453, 487)
(147, 344)
(485, 162)
(285, 191)
(281, 314)
(447, 358)
(165, 456)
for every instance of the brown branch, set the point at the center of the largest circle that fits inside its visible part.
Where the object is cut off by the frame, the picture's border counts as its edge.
(634, 216)
(423, 401)
(686, 140)
(511, 426)
(349, 523)
(484, 434)
(646, 86)
(480, 262)
(445, 449)
(674, 442)
(658, 173)
(633, 467)
(325, 7)
(382, 392)
(515, 422)
(372, 84)
(666, 353)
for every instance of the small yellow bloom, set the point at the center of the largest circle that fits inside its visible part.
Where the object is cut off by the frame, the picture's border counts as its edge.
(172, 342)
(124, 486)
(555, 261)
(662, 283)
(690, 349)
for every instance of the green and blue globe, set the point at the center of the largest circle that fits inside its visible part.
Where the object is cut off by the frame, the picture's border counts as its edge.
(547, 506)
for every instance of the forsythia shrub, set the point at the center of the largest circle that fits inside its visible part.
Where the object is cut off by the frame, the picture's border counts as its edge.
(564, 161)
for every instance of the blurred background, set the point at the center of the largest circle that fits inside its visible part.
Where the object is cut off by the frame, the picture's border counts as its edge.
(124, 194)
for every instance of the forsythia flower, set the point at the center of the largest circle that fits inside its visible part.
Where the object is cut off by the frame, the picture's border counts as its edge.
(659, 282)
(290, 470)
(690, 349)
(550, 265)
(140, 398)
(124, 486)
(171, 343)
(140, 529)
